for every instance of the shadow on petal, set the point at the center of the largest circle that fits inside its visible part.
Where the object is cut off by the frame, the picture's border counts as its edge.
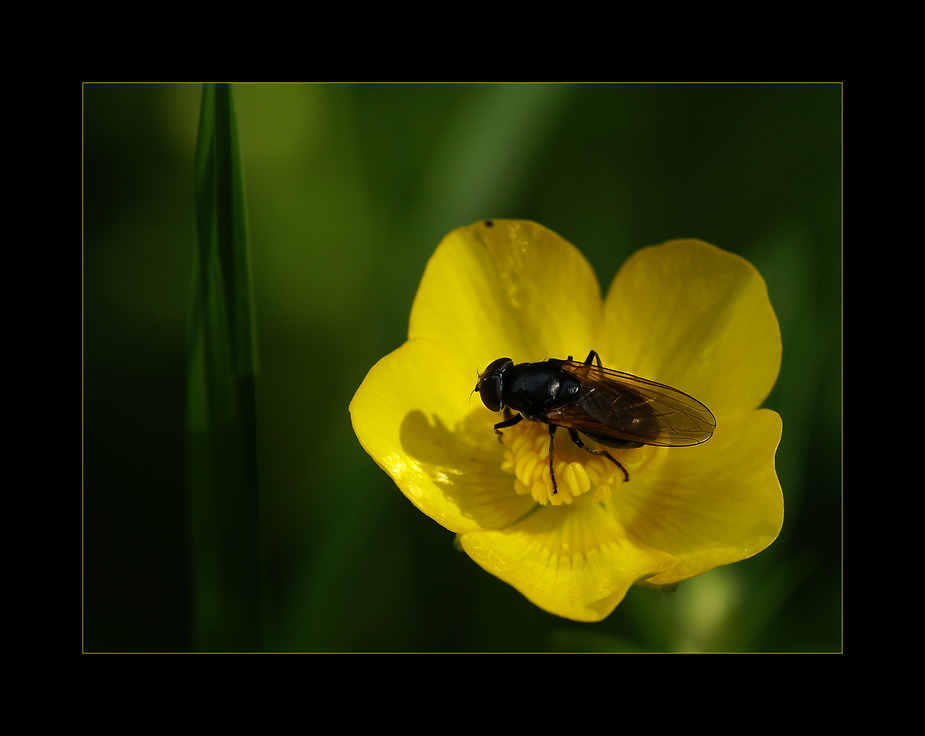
(464, 465)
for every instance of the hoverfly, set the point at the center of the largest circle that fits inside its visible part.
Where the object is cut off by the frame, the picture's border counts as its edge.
(616, 409)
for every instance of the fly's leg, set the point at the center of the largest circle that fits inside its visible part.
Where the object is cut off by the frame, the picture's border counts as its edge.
(552, 473)
(593, 354)
(509, 421)
(594, 451)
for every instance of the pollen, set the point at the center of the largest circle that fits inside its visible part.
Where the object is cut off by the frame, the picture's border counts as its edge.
(578, 472)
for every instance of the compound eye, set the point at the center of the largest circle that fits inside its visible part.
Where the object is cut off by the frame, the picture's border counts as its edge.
(490, 391)
(490, 384)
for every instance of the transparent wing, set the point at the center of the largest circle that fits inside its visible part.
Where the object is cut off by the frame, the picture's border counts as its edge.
(625, 407)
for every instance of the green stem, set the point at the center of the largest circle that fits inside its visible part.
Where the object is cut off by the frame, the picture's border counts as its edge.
(221, 397)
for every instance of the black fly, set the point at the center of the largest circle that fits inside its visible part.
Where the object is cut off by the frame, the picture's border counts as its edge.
(615, 409)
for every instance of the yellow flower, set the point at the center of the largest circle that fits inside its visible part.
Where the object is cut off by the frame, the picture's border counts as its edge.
(685, 314)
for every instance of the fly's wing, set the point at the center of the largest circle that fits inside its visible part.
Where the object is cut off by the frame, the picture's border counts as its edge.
(621, 406)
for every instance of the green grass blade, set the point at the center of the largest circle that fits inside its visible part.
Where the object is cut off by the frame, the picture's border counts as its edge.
(221, 401)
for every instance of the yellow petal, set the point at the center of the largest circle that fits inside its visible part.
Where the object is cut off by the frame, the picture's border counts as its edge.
(574, 561)
(512, 289)
(412, 416)
(713, 504)
(697, 318)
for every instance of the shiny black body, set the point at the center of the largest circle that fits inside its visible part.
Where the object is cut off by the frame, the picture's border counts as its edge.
(613, 408)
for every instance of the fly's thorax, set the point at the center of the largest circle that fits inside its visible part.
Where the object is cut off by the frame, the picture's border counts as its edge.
(532, 388)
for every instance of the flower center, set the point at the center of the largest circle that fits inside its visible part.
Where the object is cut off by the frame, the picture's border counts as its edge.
(578, 472)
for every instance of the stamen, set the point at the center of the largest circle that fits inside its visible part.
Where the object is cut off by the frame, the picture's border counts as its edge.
(578, 480)
(526, 464)
(578, 472)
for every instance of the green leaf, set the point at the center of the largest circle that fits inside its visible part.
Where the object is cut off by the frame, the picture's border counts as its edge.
(221, 400)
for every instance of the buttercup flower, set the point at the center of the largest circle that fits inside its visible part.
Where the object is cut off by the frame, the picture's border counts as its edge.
(685, 314)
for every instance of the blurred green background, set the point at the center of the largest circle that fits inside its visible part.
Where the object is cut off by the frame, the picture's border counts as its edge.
(350, 189)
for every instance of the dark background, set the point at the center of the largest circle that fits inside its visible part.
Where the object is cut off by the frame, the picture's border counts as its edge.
(350, 189)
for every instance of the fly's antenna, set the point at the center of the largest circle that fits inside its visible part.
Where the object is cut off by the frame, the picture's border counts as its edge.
(478, 374)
